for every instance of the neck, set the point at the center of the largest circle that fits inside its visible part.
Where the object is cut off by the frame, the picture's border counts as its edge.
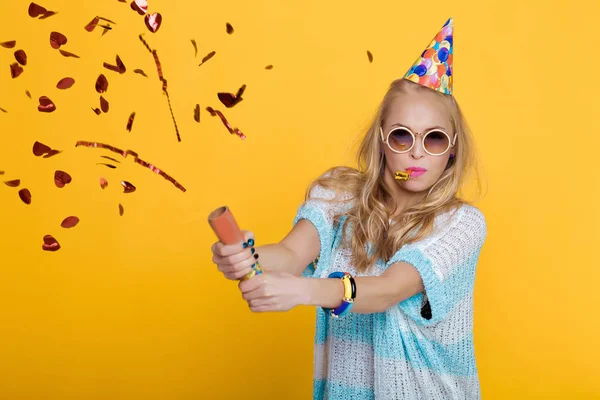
(401, 199)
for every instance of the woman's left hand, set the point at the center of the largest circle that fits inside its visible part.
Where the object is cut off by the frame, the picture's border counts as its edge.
(274, 291)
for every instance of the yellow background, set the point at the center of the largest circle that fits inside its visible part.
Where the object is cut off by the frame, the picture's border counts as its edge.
(131, 307)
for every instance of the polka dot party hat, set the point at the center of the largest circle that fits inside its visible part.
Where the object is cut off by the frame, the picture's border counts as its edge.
(433, 69)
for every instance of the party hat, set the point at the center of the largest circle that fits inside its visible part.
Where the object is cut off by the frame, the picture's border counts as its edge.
(433, 69)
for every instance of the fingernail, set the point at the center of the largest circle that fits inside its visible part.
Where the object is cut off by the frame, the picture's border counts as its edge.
(253, 250)
(256, 256)
(251, 242)
(245, 244)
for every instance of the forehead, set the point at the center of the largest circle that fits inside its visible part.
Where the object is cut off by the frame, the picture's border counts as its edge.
(418, 111)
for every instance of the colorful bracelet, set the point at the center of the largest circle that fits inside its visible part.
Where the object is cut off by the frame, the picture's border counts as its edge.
(256, 268)
(349, 294)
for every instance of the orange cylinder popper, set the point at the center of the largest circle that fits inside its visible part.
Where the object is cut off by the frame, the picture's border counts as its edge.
(228, 232)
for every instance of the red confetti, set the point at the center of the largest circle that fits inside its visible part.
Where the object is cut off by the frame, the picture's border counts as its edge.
(92, 25)
(36, 10)
(9, 45)
(197, 113)
(195, 47)
(269, 67)
(121, 210)
(46, 105)
(13, 183)
(128, 187)
(107, 165)
(28, 94)
(15, 70)
(231, 130)
(25, 195)
(1, 172)
(52, 153)
(111, 159)
(70, 222)
(21, 57)
(3, 110)
(65, 83)
(164, 82)
(103, 183)
(103, 104)
(50, 244)
(208, 57)
(97, 111)
(57, 39)
(141, 6)
(136, 160)
(39, 149)
(67, 54)
(229, 28)
(153, 21)
(101, 84)
(120, 67)
(130, 122)
(139, 71)
(369, 56)
(230, 99)
(61, 178)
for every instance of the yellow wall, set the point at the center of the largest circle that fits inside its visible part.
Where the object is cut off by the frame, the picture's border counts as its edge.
(131, 307)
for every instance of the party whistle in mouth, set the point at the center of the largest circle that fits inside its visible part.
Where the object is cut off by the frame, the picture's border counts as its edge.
(402, 175)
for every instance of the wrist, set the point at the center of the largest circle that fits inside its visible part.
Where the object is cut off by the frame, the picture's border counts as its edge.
(322, 292)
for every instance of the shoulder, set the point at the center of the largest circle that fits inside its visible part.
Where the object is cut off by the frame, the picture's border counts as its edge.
(332, 185)
(466, 225)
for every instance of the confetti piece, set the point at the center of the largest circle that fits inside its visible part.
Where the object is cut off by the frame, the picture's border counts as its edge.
(21, 57)
(25, 195)
(120, 67)
(103, 183)
(65, 83)
(92, 25)
(9, 45)
(231, 130)
(229, 28)
(137, 160)
(229, 99)
(61, 178)
(139, 71)
(97, 111)
(70, 222)
(101, 84)
(153, 21)
(1, 172)
(121, 210)
(103, 104)
(46, 105)
(269, 67)
(107, 20)
(13, 183)
(28, 93)
(141, 6)
(130, 122)
(3, 110)
(50, 244)
(39, 149)
(197, 113)
(128, 187)
(67, 54)
(111, 159)
(105, 28)
(57, 39)
(52, 153)
(36, 10)
(195, 47)
(15, 70)
(107, 165)
(164, 82)
(208, 57)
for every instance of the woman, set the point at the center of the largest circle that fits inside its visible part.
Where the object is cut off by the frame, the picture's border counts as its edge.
(391, 261)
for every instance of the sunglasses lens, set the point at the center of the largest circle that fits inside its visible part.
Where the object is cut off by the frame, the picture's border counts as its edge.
(400, 139)
(436, 142)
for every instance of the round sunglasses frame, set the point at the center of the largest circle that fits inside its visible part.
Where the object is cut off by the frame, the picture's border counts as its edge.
(451, 143)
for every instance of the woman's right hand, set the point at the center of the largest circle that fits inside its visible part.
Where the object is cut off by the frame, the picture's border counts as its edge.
(234, 260)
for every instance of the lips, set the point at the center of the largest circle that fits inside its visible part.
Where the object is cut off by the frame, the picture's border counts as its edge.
(50, 244)
(416, 169)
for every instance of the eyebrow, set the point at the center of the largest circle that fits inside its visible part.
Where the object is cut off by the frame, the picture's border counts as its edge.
(404, 126)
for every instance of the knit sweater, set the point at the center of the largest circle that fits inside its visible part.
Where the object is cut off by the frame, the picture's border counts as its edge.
(405, 352)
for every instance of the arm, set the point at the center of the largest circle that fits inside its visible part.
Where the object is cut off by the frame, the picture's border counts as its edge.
(298, 249)
(374, 293)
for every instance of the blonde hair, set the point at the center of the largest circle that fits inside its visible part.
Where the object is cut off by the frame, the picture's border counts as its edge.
(369, 216)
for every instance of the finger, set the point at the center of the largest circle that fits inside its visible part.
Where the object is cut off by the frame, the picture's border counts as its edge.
(223, 250)
(247, 235)
(236, 276)
(260, 302)
(235, 268)
(251, 284)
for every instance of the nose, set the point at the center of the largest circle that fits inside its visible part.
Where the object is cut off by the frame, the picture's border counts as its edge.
(417, 152)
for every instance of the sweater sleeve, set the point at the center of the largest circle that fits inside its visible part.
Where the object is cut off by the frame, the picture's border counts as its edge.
(446, 261)
(320, 212)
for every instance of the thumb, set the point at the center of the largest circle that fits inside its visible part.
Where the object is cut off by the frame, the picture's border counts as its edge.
(247, 235)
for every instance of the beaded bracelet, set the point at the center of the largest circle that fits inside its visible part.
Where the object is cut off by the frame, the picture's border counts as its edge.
(349, 294)
(256, 268)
